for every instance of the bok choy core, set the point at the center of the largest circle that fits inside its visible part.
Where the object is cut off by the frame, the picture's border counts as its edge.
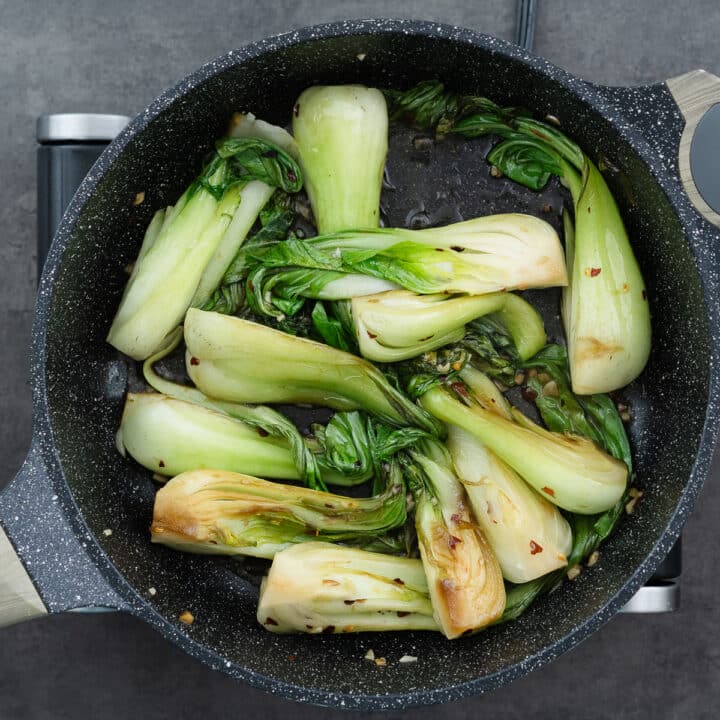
(483, 255)
(397, 325)
(240, 361)
(180, 245)
(464, 578)
(225, 513)
(342, 136)
(606, 313)
(322, 588)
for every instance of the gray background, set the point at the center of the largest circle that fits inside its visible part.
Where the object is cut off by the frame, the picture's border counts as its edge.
(86, 55)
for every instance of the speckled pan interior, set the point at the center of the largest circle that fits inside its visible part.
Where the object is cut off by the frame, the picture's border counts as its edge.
(83, 379)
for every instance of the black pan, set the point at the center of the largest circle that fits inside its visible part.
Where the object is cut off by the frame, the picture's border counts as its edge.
(74, 485)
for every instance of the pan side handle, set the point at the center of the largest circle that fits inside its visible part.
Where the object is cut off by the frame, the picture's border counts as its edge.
(45, 564)
(19, 600)
(697, 93)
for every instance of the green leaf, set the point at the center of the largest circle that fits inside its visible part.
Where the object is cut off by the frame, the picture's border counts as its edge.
(527, 162)
(332, 330)
(257, 159)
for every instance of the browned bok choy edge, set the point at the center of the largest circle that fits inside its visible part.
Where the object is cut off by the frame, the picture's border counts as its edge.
(464, 578)
(323, 588)
(224, 513)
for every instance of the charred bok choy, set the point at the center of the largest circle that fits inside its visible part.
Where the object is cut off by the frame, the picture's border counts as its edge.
(500, 512)
(188, 247)
(224, 513)
(605, 311)
(464, 578)
(322, 588)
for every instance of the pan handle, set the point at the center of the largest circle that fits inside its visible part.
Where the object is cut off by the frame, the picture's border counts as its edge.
(45, 565)
(697, 94)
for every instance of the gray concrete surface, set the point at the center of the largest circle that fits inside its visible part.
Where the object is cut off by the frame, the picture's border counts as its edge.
(89, 55)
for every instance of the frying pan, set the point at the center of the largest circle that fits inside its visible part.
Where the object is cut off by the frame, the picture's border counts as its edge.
(56, 553)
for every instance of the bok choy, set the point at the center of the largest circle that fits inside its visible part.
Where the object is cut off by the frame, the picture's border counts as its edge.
(571, 471)
(224, 513)
(322, 588)
(239, 361)
(483, 255)
(464, 578)
(342, 137)
(182, 244)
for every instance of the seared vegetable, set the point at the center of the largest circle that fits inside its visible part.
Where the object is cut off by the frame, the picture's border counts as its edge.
(529, 535)
(571, 471)
(484, 255)
(464, 578)
(170, 436)
(240, 361)
(397, 325)
(225, 513)
(342, 135)
(322, 588)
(606, 313)
(181, 245)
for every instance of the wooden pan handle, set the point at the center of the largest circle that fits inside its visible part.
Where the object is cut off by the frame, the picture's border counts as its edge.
(695, 93)
(19, 600)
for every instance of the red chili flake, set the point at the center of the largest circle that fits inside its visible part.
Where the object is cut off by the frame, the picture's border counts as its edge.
(460, 389)
(296, 109)
(402, 613)
(644, 294)
(549, 491)
(453, 541)
(251, 285)
(262, 432)
(161, 463)
(292, 658)
(292, 177)
(547, 208)
(194, 361)
(372, 336)
(455, 517)
(270, 621)
(349, 602)
(529, 394)
(398, 581)
(535, 548)
(594, 272)
(457, 248)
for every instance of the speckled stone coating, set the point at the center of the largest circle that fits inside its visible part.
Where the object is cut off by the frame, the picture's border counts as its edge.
(75, 485)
